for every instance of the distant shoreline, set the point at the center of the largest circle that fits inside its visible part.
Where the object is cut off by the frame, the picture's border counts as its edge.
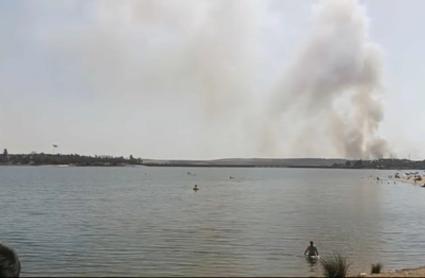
(203, 166)
(183, 166)
(69, 160)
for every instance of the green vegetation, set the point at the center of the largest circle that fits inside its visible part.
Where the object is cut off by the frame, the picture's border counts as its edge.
(335, 266)
(376, 268)
(105, 160)
(67, 159)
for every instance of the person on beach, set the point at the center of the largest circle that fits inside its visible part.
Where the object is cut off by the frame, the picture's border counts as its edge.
(10, 266)
(311, 250)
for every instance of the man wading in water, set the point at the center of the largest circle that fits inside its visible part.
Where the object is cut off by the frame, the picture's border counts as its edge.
(311, 251)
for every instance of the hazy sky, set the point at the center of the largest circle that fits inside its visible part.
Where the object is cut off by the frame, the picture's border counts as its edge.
(199, 79)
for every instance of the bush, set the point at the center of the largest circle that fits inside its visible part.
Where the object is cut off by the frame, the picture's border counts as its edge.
(335, 266)
(376, 268)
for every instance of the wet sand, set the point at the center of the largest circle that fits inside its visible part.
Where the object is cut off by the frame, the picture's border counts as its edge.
(407, 272)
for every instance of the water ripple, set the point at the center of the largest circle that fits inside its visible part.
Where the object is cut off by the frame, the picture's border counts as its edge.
(148, 221)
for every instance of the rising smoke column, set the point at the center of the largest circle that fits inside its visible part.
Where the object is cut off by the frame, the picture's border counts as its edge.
(331, 90)
(190, 79)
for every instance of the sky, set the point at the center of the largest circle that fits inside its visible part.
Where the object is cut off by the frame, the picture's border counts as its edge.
(203, 79)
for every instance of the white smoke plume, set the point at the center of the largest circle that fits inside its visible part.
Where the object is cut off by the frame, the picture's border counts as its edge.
(186, 69)
(192, 79)
(331, 91)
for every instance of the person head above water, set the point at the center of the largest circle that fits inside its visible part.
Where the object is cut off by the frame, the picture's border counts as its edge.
(10, 266)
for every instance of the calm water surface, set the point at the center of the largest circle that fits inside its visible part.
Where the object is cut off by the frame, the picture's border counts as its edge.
(148, 221)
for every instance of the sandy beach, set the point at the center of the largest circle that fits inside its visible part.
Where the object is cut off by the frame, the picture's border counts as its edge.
(415, 178)
(407, 272)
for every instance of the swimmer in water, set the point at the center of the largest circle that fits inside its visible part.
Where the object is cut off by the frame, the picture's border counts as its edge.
(311, 250)
(195, 188)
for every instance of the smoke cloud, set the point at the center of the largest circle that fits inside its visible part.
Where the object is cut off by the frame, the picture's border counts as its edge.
(185, 72)
(193, 79)
(331, 91)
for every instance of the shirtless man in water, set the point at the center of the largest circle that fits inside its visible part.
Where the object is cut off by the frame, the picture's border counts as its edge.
(311, 250)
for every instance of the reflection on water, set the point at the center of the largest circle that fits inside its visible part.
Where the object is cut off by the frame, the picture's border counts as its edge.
(149, 221)
(313, 264)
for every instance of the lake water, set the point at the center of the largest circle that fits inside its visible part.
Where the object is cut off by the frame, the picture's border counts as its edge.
(149, 221)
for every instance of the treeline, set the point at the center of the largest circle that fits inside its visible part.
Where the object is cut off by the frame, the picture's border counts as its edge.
(83, 160)
(382, 164)
(67, 159)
